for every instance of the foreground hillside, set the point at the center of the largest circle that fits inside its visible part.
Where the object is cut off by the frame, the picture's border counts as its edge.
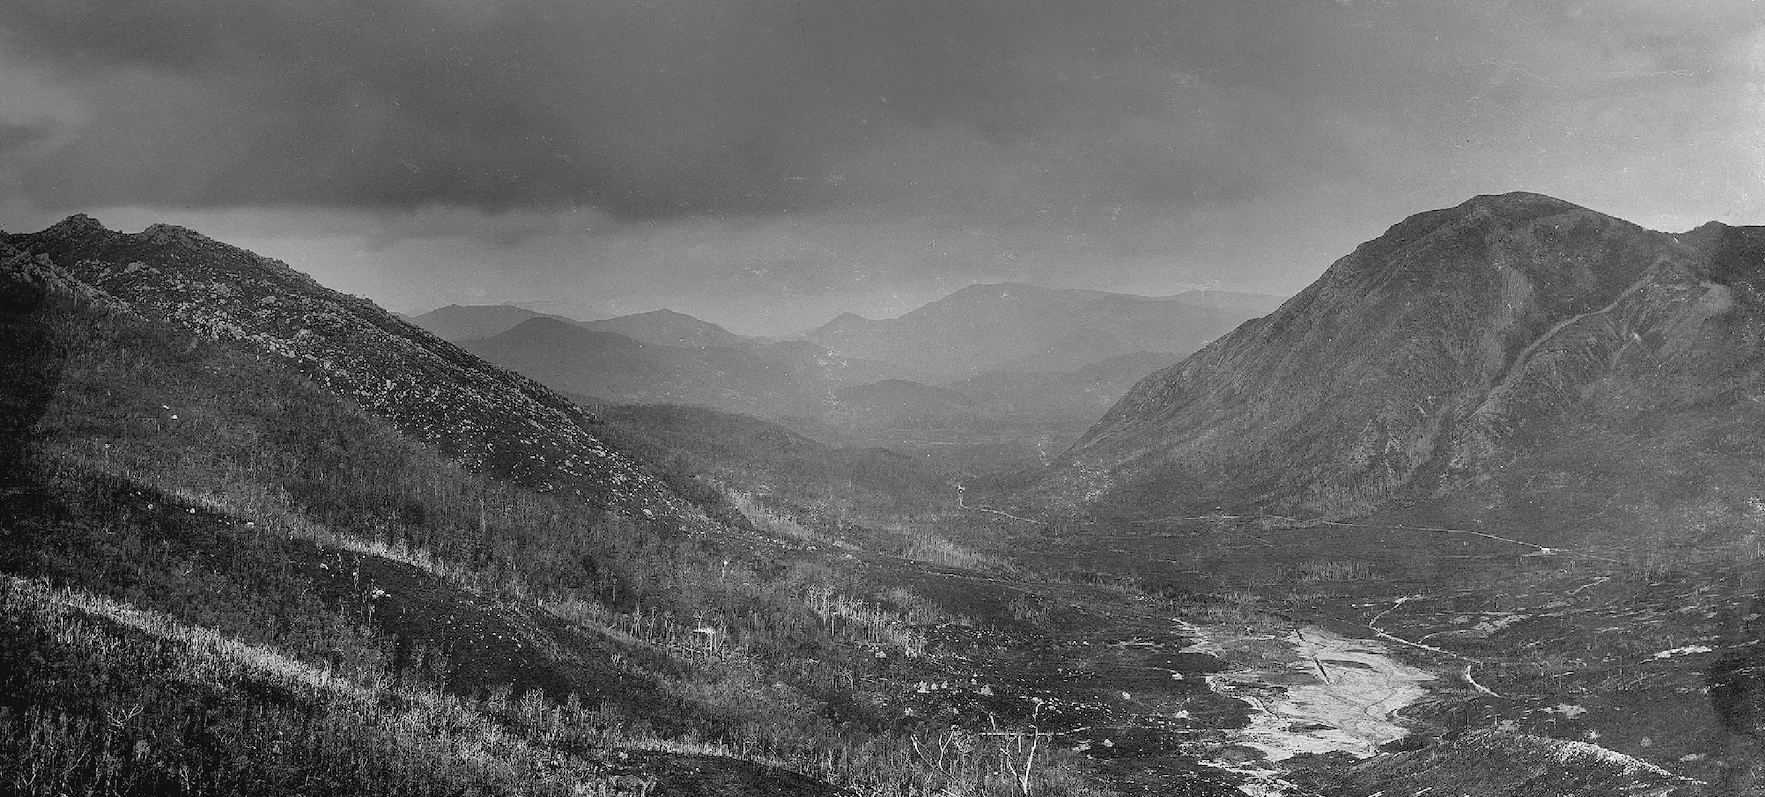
(431, 391)
(249, 549)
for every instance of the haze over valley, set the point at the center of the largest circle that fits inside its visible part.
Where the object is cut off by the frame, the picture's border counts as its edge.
(1000, 371)
(915, 399)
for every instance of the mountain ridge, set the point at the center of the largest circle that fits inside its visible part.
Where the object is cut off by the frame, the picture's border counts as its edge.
(1019, 326)
(783, 378)
(1412, 364)
(484, 417)
(669, 328)
(456, 322)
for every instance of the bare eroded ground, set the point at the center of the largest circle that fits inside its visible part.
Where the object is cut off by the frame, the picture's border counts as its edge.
(1311, 691)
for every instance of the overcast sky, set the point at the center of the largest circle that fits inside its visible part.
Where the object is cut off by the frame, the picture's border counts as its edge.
(767, 164)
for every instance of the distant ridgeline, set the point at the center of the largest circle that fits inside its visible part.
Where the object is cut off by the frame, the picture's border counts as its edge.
(984, 364)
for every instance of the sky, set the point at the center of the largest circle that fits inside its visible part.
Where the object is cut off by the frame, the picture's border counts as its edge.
(768, 164)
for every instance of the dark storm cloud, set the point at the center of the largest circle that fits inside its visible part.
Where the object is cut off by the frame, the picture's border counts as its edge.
(685, 107)
(641, 108)
(15, 136)
(645, 108)
(860, 155)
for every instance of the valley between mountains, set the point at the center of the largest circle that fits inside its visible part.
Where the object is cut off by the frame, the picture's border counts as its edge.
(1477, 513)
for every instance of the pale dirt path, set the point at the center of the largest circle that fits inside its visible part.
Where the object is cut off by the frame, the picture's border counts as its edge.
(962, 503)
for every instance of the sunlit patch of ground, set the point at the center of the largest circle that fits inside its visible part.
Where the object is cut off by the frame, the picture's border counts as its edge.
(1311, 691)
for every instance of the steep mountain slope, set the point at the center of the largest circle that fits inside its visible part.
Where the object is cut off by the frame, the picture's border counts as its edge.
(228, 567)
(1454, 349)
(466, 322)
(1028, 328)
(668, 328)
(1517, 437)
(247, 582)
(481, 416)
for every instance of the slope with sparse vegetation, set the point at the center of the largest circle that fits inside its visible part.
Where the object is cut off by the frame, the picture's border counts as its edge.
(332, 590)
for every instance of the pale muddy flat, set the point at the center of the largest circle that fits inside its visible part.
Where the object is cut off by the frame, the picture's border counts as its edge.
(1311, 691)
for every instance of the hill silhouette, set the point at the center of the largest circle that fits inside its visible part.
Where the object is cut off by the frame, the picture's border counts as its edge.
(668, 328)
(1018, 327)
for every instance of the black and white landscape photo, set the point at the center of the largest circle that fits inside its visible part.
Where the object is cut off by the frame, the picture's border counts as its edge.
(901, 398)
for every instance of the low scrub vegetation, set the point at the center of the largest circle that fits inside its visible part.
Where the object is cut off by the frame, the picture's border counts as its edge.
(224, 579)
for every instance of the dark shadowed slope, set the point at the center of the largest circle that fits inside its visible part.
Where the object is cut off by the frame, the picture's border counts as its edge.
(1448, 350)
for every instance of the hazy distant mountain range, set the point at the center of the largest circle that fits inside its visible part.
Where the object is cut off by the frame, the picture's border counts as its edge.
(659, 327)
(668, 328)
(766, 379)
(984, 359)
(467, 322)
(1017, 327)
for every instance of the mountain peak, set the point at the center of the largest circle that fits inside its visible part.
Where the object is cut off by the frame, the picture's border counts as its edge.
(171, 233)
(458, 322)
(666, 327)
(1412, 364)
(658, 315)
(1703, 236)
(77, 224)
(1520, 204)
(81, 225)
(843, 321)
